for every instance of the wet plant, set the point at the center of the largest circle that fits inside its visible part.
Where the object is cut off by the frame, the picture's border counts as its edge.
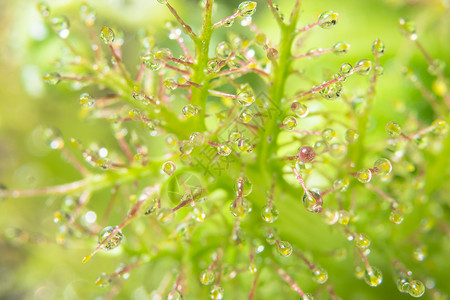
(223, 175)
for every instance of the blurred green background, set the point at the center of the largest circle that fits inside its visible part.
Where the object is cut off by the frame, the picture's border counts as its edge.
(32, 266)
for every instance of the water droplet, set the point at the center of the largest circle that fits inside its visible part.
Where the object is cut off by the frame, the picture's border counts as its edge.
(165, 216)
(86, 100)
(329, 134)
(420, 253)
(341, 185)
(245, 96)
(52, 137)
(364, 66)
(61, 26)
(216, 292)
(174, 295)
(341, 48)
(373, 276)
(246, 116)
(269, 213)
(344, 217)
(240, 207)
(362, 241)
(52, 78)
(330, 215)
(229, 23)
(162, 1)
(440, 128)
(416, 288)
(168, 167)
(403, 285)
(207, 277)
(135, 114)
(270, 238)
(186, 147)
(289, 123)
(107, 35)
(43, 9)
(351, 136)
(306, 154)
(114, 241)
(320, 275)
(284, 248)
(87, 14)
(170, 84)
(247, 8)
(408, 29)
(345, 68)
(312, 201)
(393, 129)
(103, 280)
(190, 111)
(379, 70)
(328, 19)
(378, 47)
(364, 175)
(243, 186)
(382, 167)
(235, 136)
(307, 297)
(171, 140)
(272, 54)
(213, 65)
(437, 67)
(151, 62)
(320, 147)
(338, 150)
(300, 109)
(245, 145)
(197, 138)
(223, 50)
(396, 217)
(223, 150)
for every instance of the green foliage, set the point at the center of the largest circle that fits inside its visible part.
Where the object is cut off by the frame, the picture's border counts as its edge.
(224, 158)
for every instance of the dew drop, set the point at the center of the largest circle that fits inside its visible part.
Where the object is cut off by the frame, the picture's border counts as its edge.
(169, 168)
(329, 134)
(382, 167)
(114, 241)
(270, 238)
(52, 137)
(87, 14)
(328, 19)
(61, 26)
(307, 297)
(408, 29)
(52, 78)
(373, 276)
(186, 147)
(197, 138)
(420, 253)
(341, 48)
(207, 277)
(223, 50)
(245, 116)
(341, 185)
(320, 275)
(174, 295)
(243, 186)
(245, 96)
(312, 201)
(190, 111)
(216, 292)
(344, 217)
(43, 9)
(162, 1)
(165, 216)
(403, 285)
(171, 140)
(229, 23)
(247, 8)
(245, 145)
(378, 47)
(86, 100)
(151, 62)
(213, 65)
(300, 109)
(345, 68)
(396, 217)
(284, 248)
(362, 241)
(437, 67)
(135, 114)
(223, 150)
(235, 136)
(306, 154)
(363, 66)
(103, 280)
(440, 128)
(330, 215)
(351, 136)
(269, 213)
(364, 175)
(393, 129)
(416, 288)
(240, 207)
(198, 214)
(289, 123)
(320, 147)
(107, 35)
